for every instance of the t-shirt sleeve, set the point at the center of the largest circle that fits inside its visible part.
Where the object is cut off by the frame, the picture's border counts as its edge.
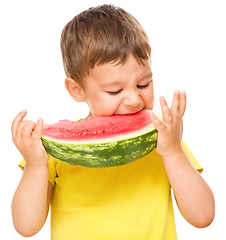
(191, 157)
(52, 169)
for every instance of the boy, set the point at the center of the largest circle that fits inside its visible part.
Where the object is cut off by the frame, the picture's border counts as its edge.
(106, 56)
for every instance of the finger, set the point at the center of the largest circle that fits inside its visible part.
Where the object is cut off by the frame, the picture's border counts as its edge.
(20, 128)
(159, 125)
(175, 108)
(27, 130)
(182, 128)
(183, 102)
(37, 134)
(166, 113)
(18, 119)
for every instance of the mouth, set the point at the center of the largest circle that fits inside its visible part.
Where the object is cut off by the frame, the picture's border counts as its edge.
(131, 112)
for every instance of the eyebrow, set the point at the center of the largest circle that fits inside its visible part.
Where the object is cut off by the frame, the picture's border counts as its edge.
(148, 75)
(110, 84)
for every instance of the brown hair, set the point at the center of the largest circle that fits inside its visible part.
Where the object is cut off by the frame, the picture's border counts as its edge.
(101, 35)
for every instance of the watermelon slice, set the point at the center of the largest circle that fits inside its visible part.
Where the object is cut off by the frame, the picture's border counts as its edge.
(102, 141)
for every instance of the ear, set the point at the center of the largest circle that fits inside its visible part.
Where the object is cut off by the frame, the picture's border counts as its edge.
(75, 90)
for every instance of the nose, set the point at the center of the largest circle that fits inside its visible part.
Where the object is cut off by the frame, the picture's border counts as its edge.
(132, 99)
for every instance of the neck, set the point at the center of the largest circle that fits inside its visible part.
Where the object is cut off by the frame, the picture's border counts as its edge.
(89, 115)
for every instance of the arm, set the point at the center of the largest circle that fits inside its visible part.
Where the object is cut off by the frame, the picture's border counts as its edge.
(193, 195)
(31, 200)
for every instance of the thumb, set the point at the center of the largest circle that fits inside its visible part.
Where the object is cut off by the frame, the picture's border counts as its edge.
(37, 134)
(159, 125)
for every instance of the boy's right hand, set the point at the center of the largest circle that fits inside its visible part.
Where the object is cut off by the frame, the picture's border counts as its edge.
(26, 136)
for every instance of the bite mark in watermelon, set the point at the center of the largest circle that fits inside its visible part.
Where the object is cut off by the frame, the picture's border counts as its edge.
(102, 141)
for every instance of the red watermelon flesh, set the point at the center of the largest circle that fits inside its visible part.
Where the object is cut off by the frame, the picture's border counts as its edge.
(98, 127)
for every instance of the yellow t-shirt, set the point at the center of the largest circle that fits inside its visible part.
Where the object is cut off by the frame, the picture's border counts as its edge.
(129, 202)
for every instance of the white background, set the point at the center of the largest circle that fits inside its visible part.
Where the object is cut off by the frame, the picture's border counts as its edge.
(189, 53)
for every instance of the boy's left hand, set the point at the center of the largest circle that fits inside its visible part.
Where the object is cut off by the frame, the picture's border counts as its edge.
(171, 128)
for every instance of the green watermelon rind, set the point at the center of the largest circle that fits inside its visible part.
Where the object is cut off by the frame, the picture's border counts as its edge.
(102, 155)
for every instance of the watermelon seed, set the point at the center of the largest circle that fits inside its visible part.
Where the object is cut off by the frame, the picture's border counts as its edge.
(103, 131)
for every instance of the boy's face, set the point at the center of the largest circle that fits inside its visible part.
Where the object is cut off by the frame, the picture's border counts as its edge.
(119, 89)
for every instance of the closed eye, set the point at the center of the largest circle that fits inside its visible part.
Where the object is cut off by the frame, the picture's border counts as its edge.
(115, 93)
(142, 86)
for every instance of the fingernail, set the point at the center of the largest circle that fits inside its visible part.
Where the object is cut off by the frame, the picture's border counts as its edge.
(177, 92)
(183, 92)
(40, 119)
(152, 114)
(162, 98)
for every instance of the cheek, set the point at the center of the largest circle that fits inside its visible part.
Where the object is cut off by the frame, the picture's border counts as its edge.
(102, 105)
(150, 98)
